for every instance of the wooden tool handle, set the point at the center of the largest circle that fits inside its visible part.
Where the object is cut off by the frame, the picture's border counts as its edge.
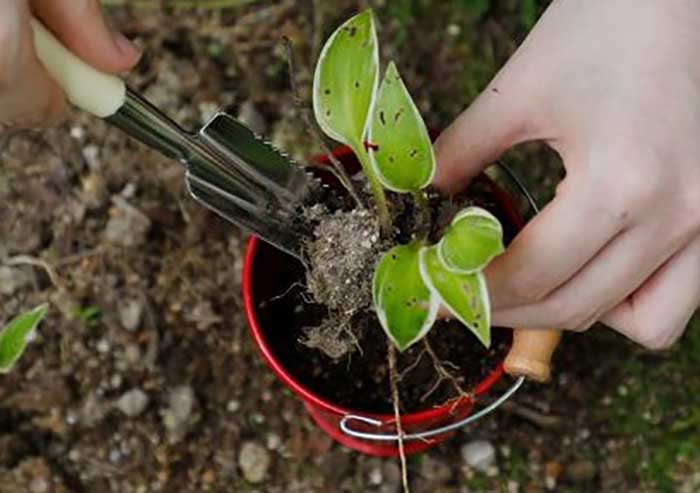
(86, 87)
(531, 353)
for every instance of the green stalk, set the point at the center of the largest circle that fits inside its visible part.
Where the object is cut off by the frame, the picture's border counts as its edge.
(377, 189)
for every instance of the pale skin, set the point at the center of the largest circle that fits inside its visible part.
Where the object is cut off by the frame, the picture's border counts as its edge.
(28, 96)
(612, 85)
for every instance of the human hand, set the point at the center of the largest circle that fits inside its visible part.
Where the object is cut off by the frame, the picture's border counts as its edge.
(614, 87)
(28, 96)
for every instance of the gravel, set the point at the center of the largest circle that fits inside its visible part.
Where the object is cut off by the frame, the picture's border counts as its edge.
(254, 462)
(130, 314)
(479, 454)
(133, 402)
(181, 402)
(127, 226)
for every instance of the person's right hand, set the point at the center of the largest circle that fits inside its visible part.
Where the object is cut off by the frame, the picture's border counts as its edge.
(614, 87)
(28, 96)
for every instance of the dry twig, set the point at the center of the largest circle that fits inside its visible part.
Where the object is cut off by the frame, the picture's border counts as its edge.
(337, 168)
(37, 262)
(545, 421)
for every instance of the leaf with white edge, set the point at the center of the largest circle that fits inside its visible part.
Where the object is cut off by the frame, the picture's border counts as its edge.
(464, 295)
(16, 335)
(473, 239)
(403, 159)
(346, 79)
(406, 308)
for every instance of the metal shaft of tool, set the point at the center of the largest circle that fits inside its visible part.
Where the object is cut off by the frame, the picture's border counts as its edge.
(216, 176)
(143, 121)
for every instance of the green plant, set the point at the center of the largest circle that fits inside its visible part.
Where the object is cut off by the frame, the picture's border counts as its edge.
(90, 315)
(384, 128)
(17, 334)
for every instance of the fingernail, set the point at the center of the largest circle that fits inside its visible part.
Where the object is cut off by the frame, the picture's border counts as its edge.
(125, 46)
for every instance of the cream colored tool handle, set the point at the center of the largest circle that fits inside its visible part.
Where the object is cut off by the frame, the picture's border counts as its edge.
(531, 354)
(86, 87)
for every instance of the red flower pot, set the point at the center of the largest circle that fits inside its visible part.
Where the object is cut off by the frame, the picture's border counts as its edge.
(266, 270)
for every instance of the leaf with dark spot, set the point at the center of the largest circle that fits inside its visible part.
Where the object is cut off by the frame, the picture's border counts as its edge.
(345, 80)
(406, 308)
(404, 133)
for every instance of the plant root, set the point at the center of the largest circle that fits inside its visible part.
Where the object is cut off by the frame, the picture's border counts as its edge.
(444, 375)
(394, 379)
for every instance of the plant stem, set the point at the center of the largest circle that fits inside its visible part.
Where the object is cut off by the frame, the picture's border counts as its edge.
(377, 189)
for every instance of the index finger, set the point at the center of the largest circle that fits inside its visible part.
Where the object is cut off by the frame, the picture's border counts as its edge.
(555, 245)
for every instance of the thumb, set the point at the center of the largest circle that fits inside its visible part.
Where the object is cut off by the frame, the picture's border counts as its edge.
(495, 122)
(81, 26)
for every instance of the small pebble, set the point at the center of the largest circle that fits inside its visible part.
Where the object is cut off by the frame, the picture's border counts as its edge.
(115, 456)
(116, 381)
(39, 485)
(273, 441)
(103, 346)
(127, 226)
(479, 454)
(91, 154)
(254, 462)
(550, 483)
(130, 314)
(375, 476)
(71, 418)
(77, 132)
(181, 404)
(133, 402)
(233, 406)
(250, 115)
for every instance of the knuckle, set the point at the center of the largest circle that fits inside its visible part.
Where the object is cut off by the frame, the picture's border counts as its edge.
(630, 192)
(634, 194)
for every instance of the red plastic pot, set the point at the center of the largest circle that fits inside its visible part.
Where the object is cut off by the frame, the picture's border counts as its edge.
(264, 274)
